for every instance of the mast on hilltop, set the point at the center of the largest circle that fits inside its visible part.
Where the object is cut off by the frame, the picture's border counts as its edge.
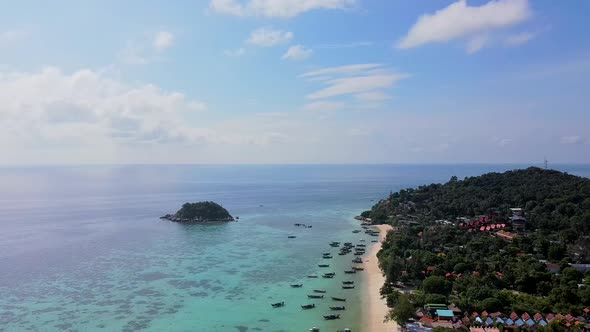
(546, 162)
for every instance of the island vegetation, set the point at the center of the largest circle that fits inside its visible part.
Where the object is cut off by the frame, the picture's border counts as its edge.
(200, 212)
(517, 241)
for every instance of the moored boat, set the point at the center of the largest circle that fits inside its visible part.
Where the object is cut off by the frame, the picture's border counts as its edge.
(319, 291)
(297, 285)
(341, 299)
(327, 276)
(357, 260)
(350, 271)
(348, 282)
(278, 304)
(312, 276)
(291, 236)
(307, 306)
(331, 316)
(338, 308)
(324, 265)
(348, 287)
(358, 268)
(314, 296)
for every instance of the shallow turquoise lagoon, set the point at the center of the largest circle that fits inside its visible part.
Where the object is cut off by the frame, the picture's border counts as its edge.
(82, 248)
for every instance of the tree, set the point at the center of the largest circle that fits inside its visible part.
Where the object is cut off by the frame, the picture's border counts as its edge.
(436, 285)
(402, 311)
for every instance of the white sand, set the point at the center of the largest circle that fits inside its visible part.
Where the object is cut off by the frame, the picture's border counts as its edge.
(377, 307)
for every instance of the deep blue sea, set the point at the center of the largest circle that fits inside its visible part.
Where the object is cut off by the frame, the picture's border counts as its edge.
(83, 248)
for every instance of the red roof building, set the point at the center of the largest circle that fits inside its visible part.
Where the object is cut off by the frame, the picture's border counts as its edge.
(537, 316)
(513, 316)
(525, 316)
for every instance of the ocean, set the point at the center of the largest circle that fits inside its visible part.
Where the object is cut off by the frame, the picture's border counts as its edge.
(82, 248)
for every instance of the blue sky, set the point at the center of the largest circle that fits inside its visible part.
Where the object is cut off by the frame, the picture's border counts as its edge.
(289, 81)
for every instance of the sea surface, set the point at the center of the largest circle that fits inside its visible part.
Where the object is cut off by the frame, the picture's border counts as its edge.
(83, 248)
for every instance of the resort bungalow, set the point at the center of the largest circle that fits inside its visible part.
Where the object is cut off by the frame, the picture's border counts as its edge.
(445, 314)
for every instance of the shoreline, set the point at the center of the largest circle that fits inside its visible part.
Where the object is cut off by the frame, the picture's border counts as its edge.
(376, 307)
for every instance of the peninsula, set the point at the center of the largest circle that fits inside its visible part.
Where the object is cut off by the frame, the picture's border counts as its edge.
(491, 249)
(200, 212)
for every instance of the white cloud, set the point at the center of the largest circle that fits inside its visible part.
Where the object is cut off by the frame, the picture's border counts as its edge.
(345, 45)
(269, 37)
(275, 8)
(342, 70)
(368, 81)
(502, 141)
(372, 96)
(477, 43)
(8, 37)
(163, 40)
(571, 140)
(352, 87)
(145, 52)
(519, 38)
(298, 53)
(134, 54)
(235, 53)
(324, 106)
(88, 108)
(459, 20)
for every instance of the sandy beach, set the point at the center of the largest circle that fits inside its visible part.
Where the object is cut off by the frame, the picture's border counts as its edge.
(376, 306)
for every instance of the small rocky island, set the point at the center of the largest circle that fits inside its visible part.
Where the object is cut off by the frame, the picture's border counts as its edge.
(199, 213)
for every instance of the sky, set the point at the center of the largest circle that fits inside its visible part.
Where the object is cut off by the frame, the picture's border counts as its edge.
(294, 81)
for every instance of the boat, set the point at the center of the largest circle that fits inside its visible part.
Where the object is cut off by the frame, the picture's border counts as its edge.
(334, 245)
(324, 265)
(330, 274)
(344, 330)
(348, 282)
(348, 243)
(342, 253)
(335, 242)
(358, 268)
(327, 257)
(338, 308)
(356, 231)
(359, 253)
(313, 296)
(331, 316)
(361, 245)
(350, 271)
(348, 287)
(312, 276)
(314, 329)
(357, 260)
(363, 240)
(297, 285)
(327, 276)
(278, 304)
(307, 306)
(319, 291)
(327, 254)
(291, 236)
(341, 299)
(375, 241)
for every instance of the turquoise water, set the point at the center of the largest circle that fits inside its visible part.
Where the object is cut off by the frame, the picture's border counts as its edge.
(82, 248)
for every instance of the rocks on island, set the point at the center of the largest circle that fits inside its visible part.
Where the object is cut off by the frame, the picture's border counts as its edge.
(200, 212)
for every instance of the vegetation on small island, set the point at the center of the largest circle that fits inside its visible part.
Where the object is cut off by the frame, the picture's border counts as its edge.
(200, 212)
(518, 241)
